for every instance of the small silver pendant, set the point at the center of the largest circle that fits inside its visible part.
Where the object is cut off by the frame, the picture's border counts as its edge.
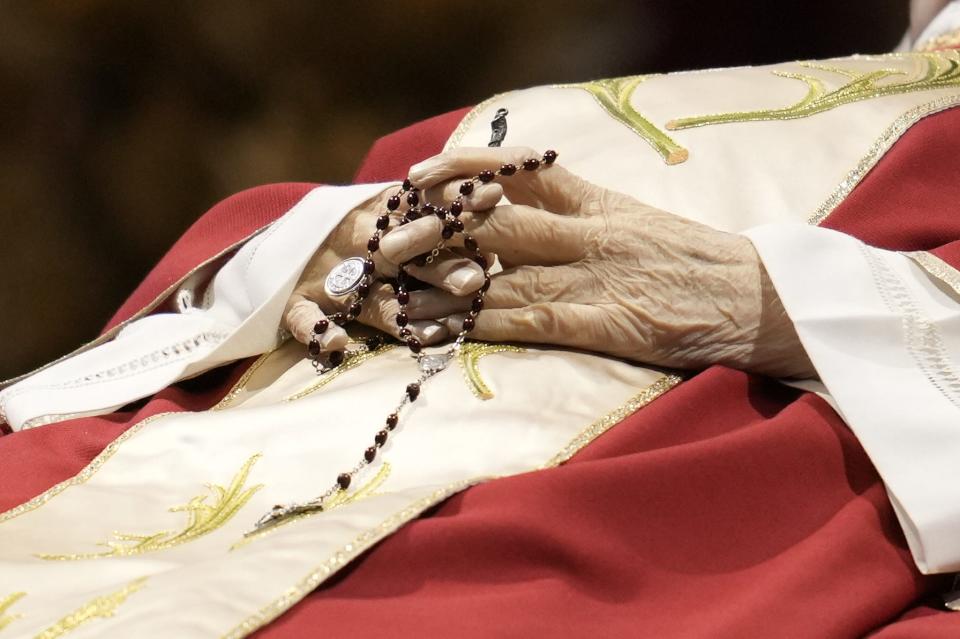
(432, 364)
(345, 277)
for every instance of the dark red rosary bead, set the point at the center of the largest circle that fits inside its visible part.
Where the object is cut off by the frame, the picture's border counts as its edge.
(412, 198)
(486, 175)
(531, 165)
(373, 343)
(414, 344)
(392, 420)
(380, 438)
(413, 214)
(441, 212)
(447, 231)
(470, 244)
(413, 391)
(336, 358)
(457, 225)
(486, 284)
(481, 260)
(466, 188)
(407, 185)
(393, 202)
(363, 290)
(343, 479)
(370, 454)
(405, 332)
(549, 157)
(383, 222)
(313, 348)
(339, 318)
(369, 266)
(456, 207)
(508, 169)
(469, 323)
(402, 319)
(403, 297)
(355, 309)
(321, 327)
(477, 304)
(429, 209)
(373, 244)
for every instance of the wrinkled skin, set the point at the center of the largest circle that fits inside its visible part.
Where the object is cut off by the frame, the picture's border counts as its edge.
(584, 267)
(450, 272)
(595, 269)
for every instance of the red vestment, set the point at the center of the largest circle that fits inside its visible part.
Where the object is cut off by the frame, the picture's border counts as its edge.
(732, 506)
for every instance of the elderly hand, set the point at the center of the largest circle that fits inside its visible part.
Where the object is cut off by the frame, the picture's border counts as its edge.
(594, 269)
(450, 272)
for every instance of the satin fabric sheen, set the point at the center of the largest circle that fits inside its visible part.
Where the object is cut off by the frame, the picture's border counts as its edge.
(730, 507)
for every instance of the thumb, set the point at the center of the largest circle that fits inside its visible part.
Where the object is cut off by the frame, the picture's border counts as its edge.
(303, 317)
(539, 183)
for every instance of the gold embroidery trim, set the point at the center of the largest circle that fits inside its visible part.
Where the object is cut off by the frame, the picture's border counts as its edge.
(5, 604)
(613, 418)
(936, 267)
(942, 71)
(613, 95)
(202, 519)
(368, 538)
(85, 474)
(878, 150)
(99, 607)
(341, 498)
(348, 365)
(470, 355)
(227, 400)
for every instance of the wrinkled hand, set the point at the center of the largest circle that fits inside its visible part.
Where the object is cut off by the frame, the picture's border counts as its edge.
(594, 269)
(450, 272)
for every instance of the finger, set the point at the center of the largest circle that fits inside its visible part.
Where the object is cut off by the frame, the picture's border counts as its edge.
(454, 274)
(301, 318)
(551, 187)
(402, 244)
(575, 325)
(513, 288)
(380, 311)
(521, 234)
(483, 197)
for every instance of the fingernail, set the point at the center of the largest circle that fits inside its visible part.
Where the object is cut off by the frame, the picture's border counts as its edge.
(334, 338)
(465, 279)
(487, 191)
(421, 170)
(425, 330)
(396, 241)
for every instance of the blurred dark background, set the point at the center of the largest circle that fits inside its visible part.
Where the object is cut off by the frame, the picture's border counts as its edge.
(123, 121)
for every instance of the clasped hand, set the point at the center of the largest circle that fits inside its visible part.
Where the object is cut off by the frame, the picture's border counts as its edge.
(583, 267)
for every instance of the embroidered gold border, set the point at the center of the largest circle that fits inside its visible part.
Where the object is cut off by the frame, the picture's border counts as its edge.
(936, 268)
(878, 150)
(85, 474)
(227, 400)
(368, 538)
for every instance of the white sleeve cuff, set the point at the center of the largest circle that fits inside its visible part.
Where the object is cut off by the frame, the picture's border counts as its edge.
(242, 319)
(884, 338)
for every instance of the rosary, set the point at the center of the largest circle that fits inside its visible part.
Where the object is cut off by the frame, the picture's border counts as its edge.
(354, 277)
